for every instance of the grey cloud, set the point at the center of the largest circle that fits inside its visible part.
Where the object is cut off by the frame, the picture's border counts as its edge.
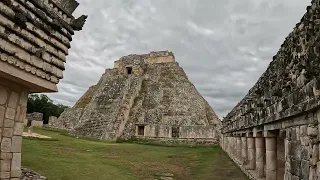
(224, 45)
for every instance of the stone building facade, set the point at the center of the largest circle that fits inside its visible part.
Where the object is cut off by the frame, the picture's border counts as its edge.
(35, 37)
(144, 96)
(273, 132)
(34, 119)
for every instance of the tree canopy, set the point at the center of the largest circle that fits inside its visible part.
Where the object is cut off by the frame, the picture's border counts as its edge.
(43, 104)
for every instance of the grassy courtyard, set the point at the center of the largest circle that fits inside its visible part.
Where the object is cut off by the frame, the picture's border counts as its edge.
(68, 158)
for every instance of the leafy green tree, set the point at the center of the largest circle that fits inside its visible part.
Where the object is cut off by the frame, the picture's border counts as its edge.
(43, 104)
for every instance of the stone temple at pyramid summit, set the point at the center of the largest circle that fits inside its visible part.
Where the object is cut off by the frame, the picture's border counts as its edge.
(146, 96)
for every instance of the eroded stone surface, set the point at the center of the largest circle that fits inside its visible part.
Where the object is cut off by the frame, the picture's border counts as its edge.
(34, 119)
(144, 96)
(281, 111)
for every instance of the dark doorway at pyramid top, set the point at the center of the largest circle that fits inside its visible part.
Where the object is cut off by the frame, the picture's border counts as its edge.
(129, 70)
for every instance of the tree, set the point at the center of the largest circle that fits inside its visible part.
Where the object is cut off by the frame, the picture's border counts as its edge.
(43, 104)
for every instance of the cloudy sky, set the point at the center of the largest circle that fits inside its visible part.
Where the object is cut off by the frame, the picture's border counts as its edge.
(223, 45)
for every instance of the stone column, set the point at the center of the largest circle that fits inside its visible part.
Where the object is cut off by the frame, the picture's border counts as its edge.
(230, 146)
(251, 153)
(239, 150)
(13, 104)
(226, 143)
(234, 149)
(271, 158)
(260, 153)
(244, 150)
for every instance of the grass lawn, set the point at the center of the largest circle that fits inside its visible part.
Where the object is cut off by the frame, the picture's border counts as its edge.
(68, 158)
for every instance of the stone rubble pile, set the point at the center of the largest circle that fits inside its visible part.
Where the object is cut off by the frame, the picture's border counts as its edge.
(28, 174)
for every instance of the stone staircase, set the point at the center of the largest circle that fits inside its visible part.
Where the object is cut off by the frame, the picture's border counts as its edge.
(133, 89)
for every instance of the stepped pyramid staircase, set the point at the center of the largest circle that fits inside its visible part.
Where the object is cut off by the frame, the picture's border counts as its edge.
(133, 89)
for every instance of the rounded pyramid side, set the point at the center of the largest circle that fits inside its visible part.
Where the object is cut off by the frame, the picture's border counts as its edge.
(70, 117)
(168, 99)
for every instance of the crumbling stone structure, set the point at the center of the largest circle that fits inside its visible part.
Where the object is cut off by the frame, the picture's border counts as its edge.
(144, 96)
(52, 122)
(35, 37)
(34, 119)
(273, 133)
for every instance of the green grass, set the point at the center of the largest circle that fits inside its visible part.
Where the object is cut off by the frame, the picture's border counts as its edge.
(67, 158)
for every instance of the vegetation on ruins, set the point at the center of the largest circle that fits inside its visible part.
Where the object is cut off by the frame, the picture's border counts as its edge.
(65, 157)
(43, 104)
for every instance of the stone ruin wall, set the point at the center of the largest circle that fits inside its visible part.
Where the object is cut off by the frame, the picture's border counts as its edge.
(35, 118)
(192, 134)
(35, 36)
(273, 131)
(141, 60)
(13, 104)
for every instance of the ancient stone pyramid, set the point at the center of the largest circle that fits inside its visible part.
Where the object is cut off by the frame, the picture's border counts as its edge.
(145, 95)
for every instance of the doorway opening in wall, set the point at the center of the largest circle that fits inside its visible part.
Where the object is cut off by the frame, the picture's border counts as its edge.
(141, 130)
(129, 70)
(29, 123)
(175, 132)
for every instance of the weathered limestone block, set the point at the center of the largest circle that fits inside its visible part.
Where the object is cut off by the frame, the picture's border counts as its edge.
(251, 153)
(39, 45)
(68, 120)
(239, 149)
(271, 158)
(260, 153)
(314, 155)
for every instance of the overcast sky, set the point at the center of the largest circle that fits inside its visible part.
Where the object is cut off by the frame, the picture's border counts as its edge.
(223, 45)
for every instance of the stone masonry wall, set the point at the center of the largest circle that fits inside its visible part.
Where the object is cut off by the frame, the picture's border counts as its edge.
(35, 116)
(67, 120)
(13, 104)
(296, 151)
(291, 83)
(35, 37)
(273, 132)
(37, 123)
(165, 131)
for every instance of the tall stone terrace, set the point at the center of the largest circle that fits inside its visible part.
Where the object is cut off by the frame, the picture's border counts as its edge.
(35, 37)
(144, 96)
(273, 132)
